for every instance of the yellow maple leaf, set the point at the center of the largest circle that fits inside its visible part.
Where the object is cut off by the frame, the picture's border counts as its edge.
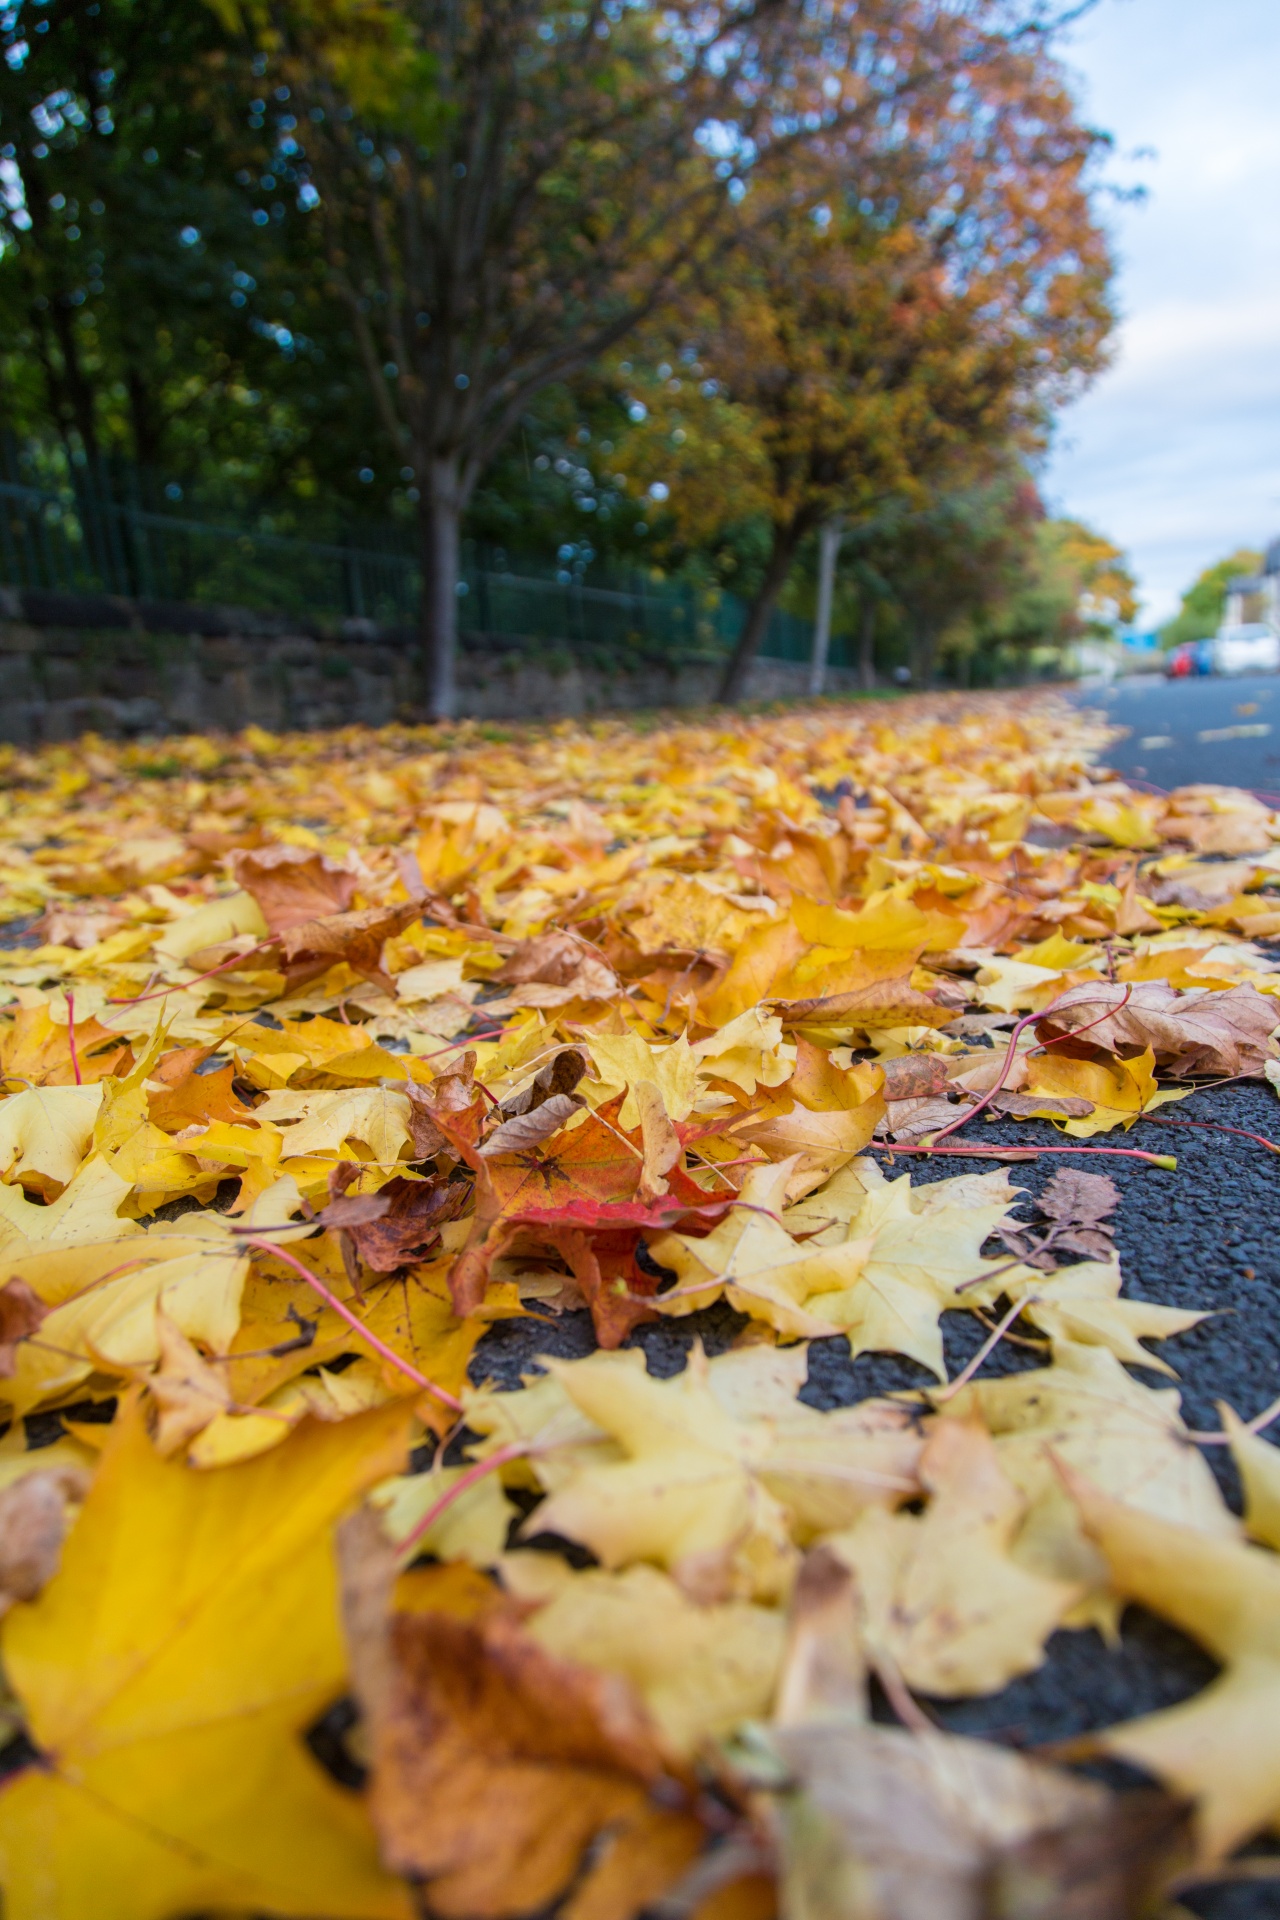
(751, 1259)
(700, 1670)
(940, 1595)
(1121, 1090)
(1088, 1413)
(1220, 1747)
(925, 1245)
(45, 1135)
(169, 1672)
(86, 1210)
(322, 1122)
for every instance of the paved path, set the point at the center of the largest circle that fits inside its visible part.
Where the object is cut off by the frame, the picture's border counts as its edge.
(1206, 1236)
(1184, 731)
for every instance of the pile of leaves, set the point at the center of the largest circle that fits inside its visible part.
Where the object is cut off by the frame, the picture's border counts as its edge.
(323, 1055)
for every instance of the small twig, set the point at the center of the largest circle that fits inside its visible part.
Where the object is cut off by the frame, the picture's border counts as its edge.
(357, 1325)
(988, 1347)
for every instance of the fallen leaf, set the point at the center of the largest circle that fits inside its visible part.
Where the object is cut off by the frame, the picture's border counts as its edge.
(880, 1823)
(292, 885)
(169, 1672)
(495, 1765)
(21, 1313)
(45, 1135)
(700, 1670)
(1085, 1411)
(1189, 1032)
(1258, 1464)
(751, 1259)
(940, 1595)
(1218, 1748)
(35, 1513)
(400, 1223)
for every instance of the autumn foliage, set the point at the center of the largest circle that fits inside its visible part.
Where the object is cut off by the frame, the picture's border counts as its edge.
(323, 1057)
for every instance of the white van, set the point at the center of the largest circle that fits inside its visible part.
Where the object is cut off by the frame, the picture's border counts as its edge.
(1254, 648)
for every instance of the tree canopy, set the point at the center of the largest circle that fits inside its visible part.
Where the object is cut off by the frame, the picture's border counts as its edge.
(1205, 600)
(709, 275)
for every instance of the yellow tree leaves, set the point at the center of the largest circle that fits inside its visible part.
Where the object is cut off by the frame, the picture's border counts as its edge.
(169, 1673)
(942, 1600)
(1220, 1747)
(629, 1022)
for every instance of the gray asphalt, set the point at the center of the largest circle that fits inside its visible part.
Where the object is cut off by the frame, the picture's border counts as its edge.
(1207, 1236)
(1170, 719)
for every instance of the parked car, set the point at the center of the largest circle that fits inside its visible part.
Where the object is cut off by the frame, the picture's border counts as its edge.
(1190, 660)
(1253, 648)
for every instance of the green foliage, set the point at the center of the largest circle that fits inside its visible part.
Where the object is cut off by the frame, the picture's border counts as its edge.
(313, 264)
(1204, 601)
(160, 288)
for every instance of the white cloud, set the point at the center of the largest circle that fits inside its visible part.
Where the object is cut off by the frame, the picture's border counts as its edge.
(1176, 450)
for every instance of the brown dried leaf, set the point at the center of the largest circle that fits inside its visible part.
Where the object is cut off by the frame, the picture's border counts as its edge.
(21, 1312)
(451, 1092)
(916, 1076)
(33, 1525)
(878, 1823)
(1078, 1199)
(292, 884)
(1190, 1033)
(357, 938)
(526, 1130)
(399, 1224)
(496, 1766)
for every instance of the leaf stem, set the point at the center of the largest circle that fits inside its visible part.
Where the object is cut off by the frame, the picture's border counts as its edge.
(236, 960)
(1020, 1026)
(987, 1348)
(344, 1312)
(516, 1450)
(1165, 1160)
(1217, 1126)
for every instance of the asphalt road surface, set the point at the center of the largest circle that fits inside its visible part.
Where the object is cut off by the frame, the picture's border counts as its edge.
(1205, 1236)
(1184, 731)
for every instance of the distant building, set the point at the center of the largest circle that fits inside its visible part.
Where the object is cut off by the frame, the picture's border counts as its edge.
(1256, 597)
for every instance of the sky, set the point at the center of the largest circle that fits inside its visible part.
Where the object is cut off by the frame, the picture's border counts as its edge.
(1174, 453)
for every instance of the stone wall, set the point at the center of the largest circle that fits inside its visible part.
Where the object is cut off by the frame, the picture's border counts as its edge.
(127, 668)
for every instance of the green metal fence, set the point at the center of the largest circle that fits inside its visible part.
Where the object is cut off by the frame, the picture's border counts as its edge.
(98, 530)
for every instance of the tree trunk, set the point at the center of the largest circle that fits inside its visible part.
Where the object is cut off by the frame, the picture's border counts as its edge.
(828, 549)
(867, 647)
(75, 385)
(734, 684)
(143, 423)
(439, 540)
(923, 648)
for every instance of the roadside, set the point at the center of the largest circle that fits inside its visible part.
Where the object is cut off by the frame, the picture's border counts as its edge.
(1184, 731)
